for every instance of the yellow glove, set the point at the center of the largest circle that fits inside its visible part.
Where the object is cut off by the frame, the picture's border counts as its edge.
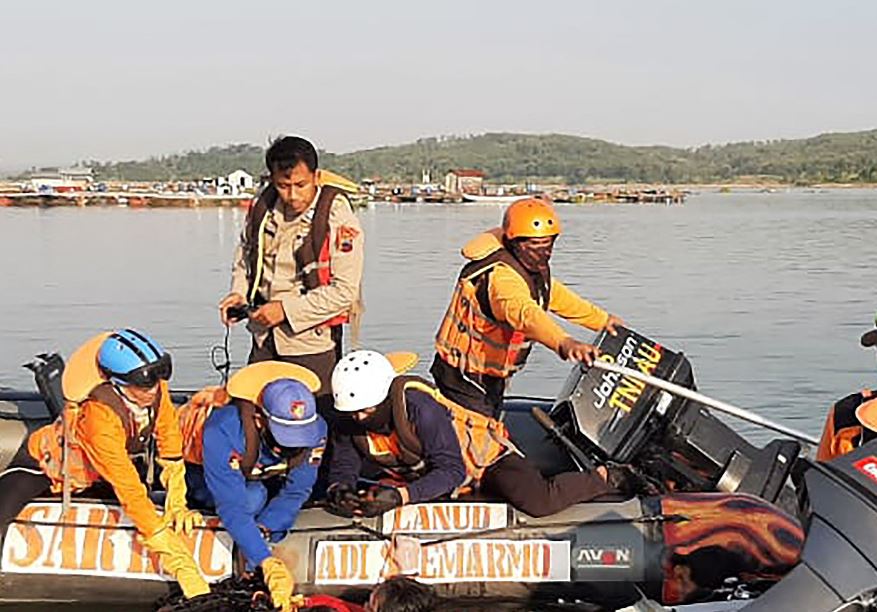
(279, 582)
(177, 561)
(176, 514)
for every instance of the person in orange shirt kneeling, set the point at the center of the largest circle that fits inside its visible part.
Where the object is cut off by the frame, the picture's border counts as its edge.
(116, 400)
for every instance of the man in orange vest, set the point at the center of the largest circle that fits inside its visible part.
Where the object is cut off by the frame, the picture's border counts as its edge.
(500, 306)
(431, 447)
(115, 386)
(851, 421)
(299, 264)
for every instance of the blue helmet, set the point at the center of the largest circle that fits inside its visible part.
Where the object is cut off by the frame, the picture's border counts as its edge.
(129, 357)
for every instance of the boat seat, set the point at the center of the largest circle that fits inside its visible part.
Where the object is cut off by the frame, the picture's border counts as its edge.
(762, 474)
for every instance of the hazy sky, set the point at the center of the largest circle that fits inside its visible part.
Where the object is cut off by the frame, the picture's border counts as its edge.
(120, 80)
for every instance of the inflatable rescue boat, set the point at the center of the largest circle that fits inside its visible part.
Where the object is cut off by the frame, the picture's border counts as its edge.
(718, 523)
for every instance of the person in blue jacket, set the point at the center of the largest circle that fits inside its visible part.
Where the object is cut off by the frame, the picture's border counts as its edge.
(291, 441)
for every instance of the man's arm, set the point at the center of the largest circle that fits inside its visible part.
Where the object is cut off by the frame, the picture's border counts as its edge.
(279, 515)
(237, 295)
(346, 243)
(228, 488)
(103, 440)
(575, 309)
(345, 463)
(511, 303)
(167, 427)
(441, 450)
(239, 282)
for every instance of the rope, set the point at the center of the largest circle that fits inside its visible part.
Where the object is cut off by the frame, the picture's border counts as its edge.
(224, 366)
(249, 594)
(658, 518)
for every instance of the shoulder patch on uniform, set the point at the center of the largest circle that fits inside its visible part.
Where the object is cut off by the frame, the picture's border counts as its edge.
(344, 238)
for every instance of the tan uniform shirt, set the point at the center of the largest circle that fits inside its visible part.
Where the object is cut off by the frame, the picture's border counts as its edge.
(303, 332)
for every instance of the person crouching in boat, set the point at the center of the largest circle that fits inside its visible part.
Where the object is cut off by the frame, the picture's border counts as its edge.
(117, 401)
(268, 429)
(851, 421)
(500, 306)
(431, 447)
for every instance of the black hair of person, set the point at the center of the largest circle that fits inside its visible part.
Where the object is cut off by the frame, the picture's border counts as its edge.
(404, 594)
(287, 152)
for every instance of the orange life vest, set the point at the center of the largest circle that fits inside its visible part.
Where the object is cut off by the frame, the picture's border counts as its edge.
(483, 440)
(843, 432)
(313, 258)
(469, 337)
(192, 415)
(46, 444)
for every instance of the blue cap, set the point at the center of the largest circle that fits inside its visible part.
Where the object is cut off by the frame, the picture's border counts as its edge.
(292, 414)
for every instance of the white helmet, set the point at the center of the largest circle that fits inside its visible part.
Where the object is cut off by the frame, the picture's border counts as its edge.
(361, 380)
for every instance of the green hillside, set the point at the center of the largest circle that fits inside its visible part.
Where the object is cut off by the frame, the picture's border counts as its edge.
(847, 157)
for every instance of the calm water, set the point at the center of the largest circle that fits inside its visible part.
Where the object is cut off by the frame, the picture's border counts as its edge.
(766, 293)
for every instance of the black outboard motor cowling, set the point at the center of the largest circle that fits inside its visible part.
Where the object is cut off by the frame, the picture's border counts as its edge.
(618, 415)
(678, 444)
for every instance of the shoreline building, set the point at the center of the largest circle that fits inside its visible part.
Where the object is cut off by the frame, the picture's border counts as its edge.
(61, 180)
(464, 180)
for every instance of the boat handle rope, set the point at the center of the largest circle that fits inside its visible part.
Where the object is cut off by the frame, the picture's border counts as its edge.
(642, 519)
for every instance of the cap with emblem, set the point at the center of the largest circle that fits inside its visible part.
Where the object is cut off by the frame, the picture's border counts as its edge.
(292, 414)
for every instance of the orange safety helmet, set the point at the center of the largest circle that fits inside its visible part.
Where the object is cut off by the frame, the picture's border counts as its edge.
(530, 218)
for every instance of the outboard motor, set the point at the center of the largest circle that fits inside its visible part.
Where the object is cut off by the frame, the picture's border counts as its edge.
(22, 412)
(676, 444)
(48, 369)
(616, 415)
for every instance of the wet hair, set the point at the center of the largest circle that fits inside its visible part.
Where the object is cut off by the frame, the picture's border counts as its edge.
(287, 152)
(711, 565)
(404, 594)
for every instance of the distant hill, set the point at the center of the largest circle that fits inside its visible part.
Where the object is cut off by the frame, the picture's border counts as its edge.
(842, 157)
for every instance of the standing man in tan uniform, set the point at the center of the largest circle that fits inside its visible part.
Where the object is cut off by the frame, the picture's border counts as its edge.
(299, 263)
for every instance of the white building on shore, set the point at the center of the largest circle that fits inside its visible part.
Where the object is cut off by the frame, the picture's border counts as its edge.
(241, 179)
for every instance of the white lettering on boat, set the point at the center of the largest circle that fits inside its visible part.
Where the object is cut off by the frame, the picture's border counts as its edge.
(94, 539)
(445, 518)
(476, 560)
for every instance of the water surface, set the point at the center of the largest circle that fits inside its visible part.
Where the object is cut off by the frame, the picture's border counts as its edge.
(766, 293)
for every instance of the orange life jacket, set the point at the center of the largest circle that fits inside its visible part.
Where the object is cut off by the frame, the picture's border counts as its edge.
(313, 258)
(843, 432)
(46, 444)
(192, 415)
(483, 440)
(469, 337)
